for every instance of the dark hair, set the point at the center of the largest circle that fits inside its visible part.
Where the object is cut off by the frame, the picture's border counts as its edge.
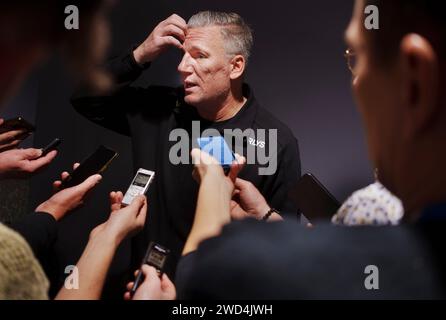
(400, 17)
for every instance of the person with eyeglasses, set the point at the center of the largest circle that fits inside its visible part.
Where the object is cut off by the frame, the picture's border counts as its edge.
(399, 81)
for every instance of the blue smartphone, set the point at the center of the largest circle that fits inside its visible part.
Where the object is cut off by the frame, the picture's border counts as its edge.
(217, 147)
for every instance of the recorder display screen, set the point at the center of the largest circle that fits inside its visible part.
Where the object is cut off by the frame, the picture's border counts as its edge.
(141, 179)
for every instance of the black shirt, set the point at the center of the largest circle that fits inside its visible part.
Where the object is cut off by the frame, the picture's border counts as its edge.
(149, 115)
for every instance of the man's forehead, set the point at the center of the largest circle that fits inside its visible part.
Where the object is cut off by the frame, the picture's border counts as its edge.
(202, 33)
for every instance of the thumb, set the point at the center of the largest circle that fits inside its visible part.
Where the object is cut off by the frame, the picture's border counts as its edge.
(167, 285)
(236, 166)
(196, 155)
(150, 274)
(137, 203)
(89, 183)
(31, 153)
(241, 184)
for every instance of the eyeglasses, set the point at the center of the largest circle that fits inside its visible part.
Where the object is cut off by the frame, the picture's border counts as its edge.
(350, 56)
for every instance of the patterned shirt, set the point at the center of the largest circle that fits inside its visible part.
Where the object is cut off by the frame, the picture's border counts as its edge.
(373, 205)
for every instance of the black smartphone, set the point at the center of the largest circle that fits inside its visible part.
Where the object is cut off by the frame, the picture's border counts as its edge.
(17, 123)
(94, 164)
(51, 146)
(313, 200)
(156, 256)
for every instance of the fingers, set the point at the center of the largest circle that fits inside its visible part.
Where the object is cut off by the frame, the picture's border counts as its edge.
(75, 165)
(241, 184)
(175, 20)
(64, 175)
(236, 167)
(10, 145)
(138, 207)
(141, 218)
(166, 284)
(31, 153)
(150, 273)
(172, 41)
(89, 183)
(34, 165)
(56, 185)
(138, 203)
(199, 157)
(130, 285)
(115, 200)
(177, 32)
(195, 154)
(127, 296)
(9, 136)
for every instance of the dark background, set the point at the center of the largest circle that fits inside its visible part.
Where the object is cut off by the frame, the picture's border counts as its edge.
(297, 71)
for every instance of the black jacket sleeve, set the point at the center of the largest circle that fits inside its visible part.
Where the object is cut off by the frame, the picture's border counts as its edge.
(40, 231)
(109, 109)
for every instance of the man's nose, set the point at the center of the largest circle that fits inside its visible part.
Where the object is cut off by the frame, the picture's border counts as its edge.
(185, 66)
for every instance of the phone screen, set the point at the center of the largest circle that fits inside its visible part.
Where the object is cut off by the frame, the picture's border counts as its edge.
(94, 164)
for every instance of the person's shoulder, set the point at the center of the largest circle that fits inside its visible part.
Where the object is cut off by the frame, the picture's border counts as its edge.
(287, 256)
(19, 268)
(318, 237)
(266, 120)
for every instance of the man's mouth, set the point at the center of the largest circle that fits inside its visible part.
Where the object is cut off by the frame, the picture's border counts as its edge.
(188, 86)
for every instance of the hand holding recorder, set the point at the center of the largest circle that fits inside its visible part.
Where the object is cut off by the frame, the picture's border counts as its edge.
(153, 287)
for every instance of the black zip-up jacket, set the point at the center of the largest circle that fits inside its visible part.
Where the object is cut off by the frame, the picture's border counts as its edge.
(148, 115)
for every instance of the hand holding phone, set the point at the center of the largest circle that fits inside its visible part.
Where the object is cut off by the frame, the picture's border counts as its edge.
(51, 146)
(96, 163)
(217, 147)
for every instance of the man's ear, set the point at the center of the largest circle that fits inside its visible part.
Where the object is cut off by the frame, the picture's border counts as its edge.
(238, 64)
(420, 83)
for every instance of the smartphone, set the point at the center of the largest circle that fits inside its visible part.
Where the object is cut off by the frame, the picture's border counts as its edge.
(217, 147)
(51, 146)
(139, 185)
(17, 123)
(96, 163)
(313, 200)
(156, 256)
